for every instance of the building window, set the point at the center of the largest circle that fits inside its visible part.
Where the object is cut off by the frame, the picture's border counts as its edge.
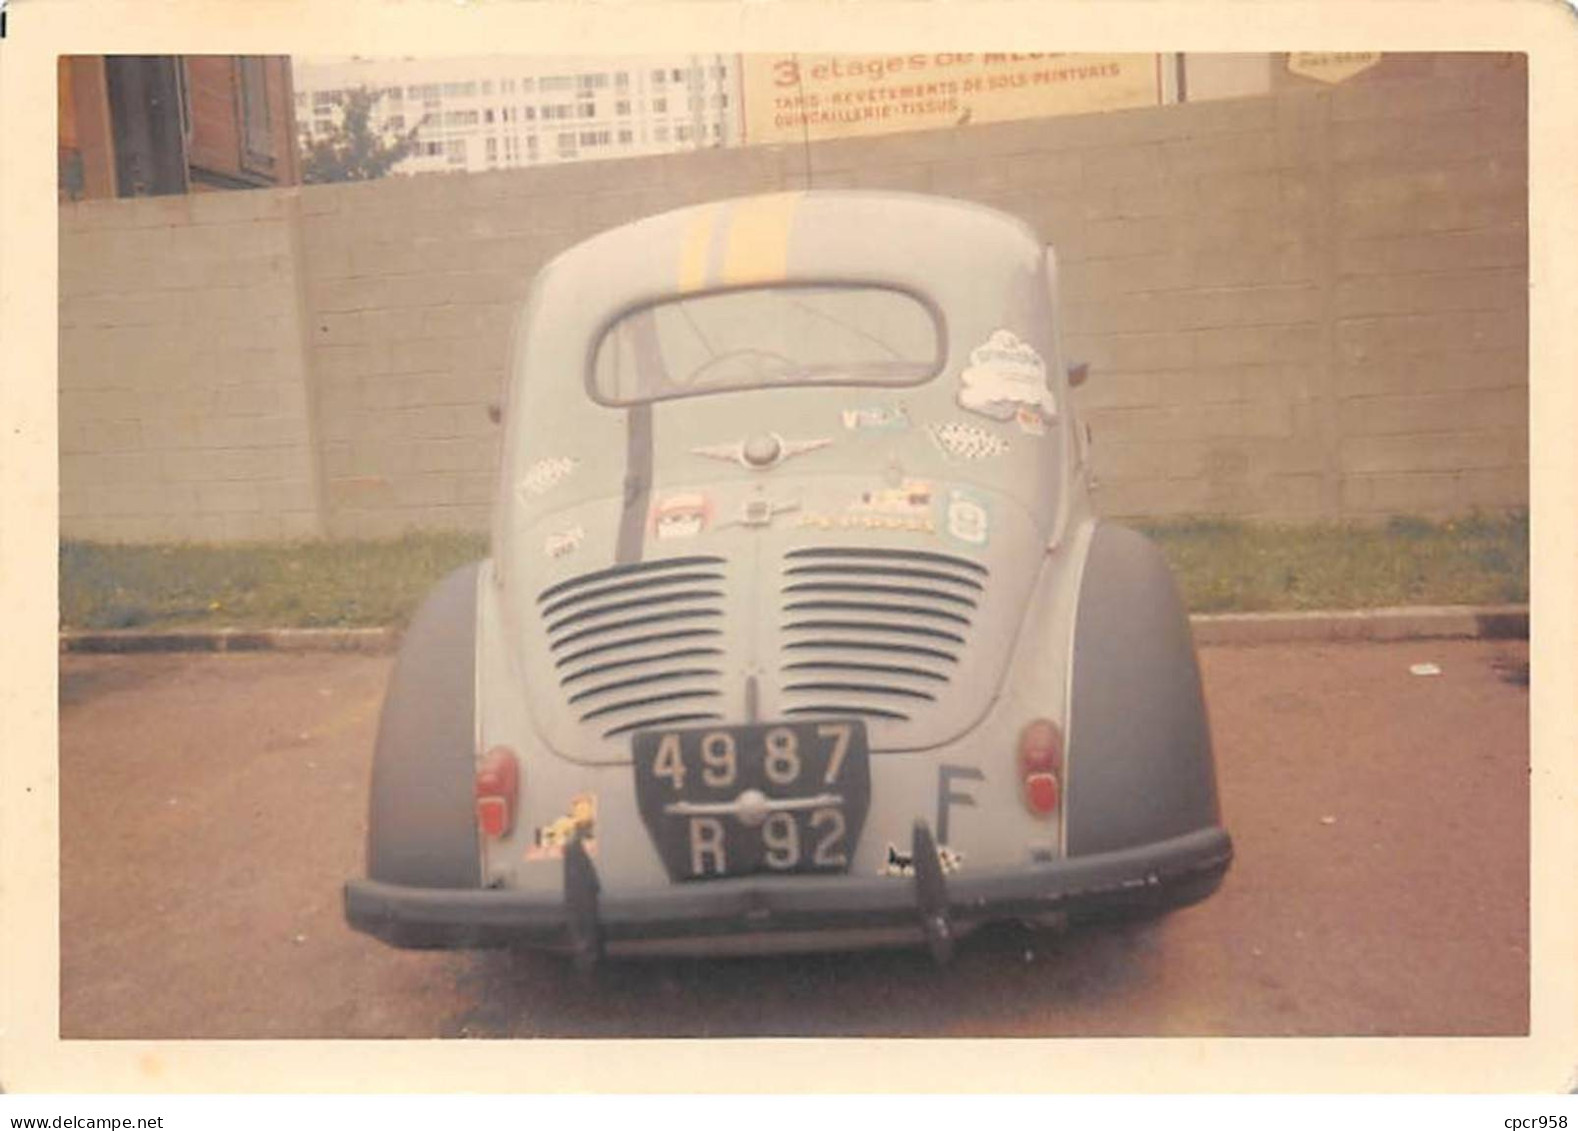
(530, 112)
(558, 82)
(427, 90)
(395, 121)
(660, 106)
(432, 148)
(455, 118)
(257, 127)
(591, 82)
(622, 79)
(622, 107)
(626, 137)
(460, 90)
(491, 148)
(594, 137)
(455, 151)
(531, 146)
(658, 76)
(393, 93)
(681, 133)
(587, 110)
(487, 117)
(567, 145)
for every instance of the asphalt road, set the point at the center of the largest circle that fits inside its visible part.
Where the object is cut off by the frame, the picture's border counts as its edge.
(212, 805)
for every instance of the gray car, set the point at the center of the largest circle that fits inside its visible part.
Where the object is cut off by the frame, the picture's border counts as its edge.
(798, 630)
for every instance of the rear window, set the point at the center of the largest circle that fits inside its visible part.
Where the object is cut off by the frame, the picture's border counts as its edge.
(767, 337)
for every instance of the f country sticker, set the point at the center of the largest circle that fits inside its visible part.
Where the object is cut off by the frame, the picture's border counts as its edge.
(1005, 375)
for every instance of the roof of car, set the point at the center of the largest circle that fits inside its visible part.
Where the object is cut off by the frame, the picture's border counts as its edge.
(770, 238)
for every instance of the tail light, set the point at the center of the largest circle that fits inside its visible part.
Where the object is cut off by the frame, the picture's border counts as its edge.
(1041, 766)
(498, 785)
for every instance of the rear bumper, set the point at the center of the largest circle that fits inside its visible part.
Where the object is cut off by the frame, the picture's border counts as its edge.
(847, 911)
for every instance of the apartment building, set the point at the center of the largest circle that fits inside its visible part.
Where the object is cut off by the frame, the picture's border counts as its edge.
(505, 112)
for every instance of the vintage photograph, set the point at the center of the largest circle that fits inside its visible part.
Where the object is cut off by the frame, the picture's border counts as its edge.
(916, 544)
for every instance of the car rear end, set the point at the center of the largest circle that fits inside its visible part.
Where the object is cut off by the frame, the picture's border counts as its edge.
(768, 662)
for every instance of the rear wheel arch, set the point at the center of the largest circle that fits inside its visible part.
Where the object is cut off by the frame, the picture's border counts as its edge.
(1139, 762)
(421, 815)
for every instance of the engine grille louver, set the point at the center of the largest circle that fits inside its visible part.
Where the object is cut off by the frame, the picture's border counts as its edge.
(881, 633)
(874, 632)
(616, 635)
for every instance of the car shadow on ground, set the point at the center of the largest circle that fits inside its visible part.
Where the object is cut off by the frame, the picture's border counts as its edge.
(1029, 977)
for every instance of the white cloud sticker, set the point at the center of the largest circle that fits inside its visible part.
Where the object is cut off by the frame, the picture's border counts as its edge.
(1004, 375)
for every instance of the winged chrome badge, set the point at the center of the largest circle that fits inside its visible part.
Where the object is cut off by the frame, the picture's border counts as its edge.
(759, 452)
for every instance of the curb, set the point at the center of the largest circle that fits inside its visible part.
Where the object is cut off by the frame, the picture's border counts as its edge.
(369, 640)
(1464, 622)
(1426, 622)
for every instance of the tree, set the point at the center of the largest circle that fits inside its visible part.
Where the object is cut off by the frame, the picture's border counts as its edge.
(350, 150)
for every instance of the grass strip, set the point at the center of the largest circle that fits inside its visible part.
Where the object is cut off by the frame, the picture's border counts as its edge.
(1221, 566)
(306, 584)
(1240, 567)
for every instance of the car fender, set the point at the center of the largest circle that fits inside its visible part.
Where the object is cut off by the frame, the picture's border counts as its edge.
(1138, 765)
(421, 821)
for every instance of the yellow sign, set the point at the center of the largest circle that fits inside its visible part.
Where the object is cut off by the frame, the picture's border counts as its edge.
(1331, 66)
(788, 98)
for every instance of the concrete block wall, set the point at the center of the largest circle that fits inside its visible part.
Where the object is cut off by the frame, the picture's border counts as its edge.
(1307, 305)
(184, 402)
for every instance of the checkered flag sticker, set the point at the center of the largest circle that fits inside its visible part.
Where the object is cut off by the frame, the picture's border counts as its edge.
(967, 441)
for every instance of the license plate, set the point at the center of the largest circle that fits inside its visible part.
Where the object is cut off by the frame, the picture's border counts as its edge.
(778, 798)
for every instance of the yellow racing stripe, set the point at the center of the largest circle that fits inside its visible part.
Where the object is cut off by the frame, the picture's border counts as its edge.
(758, 250)
(693, 251)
